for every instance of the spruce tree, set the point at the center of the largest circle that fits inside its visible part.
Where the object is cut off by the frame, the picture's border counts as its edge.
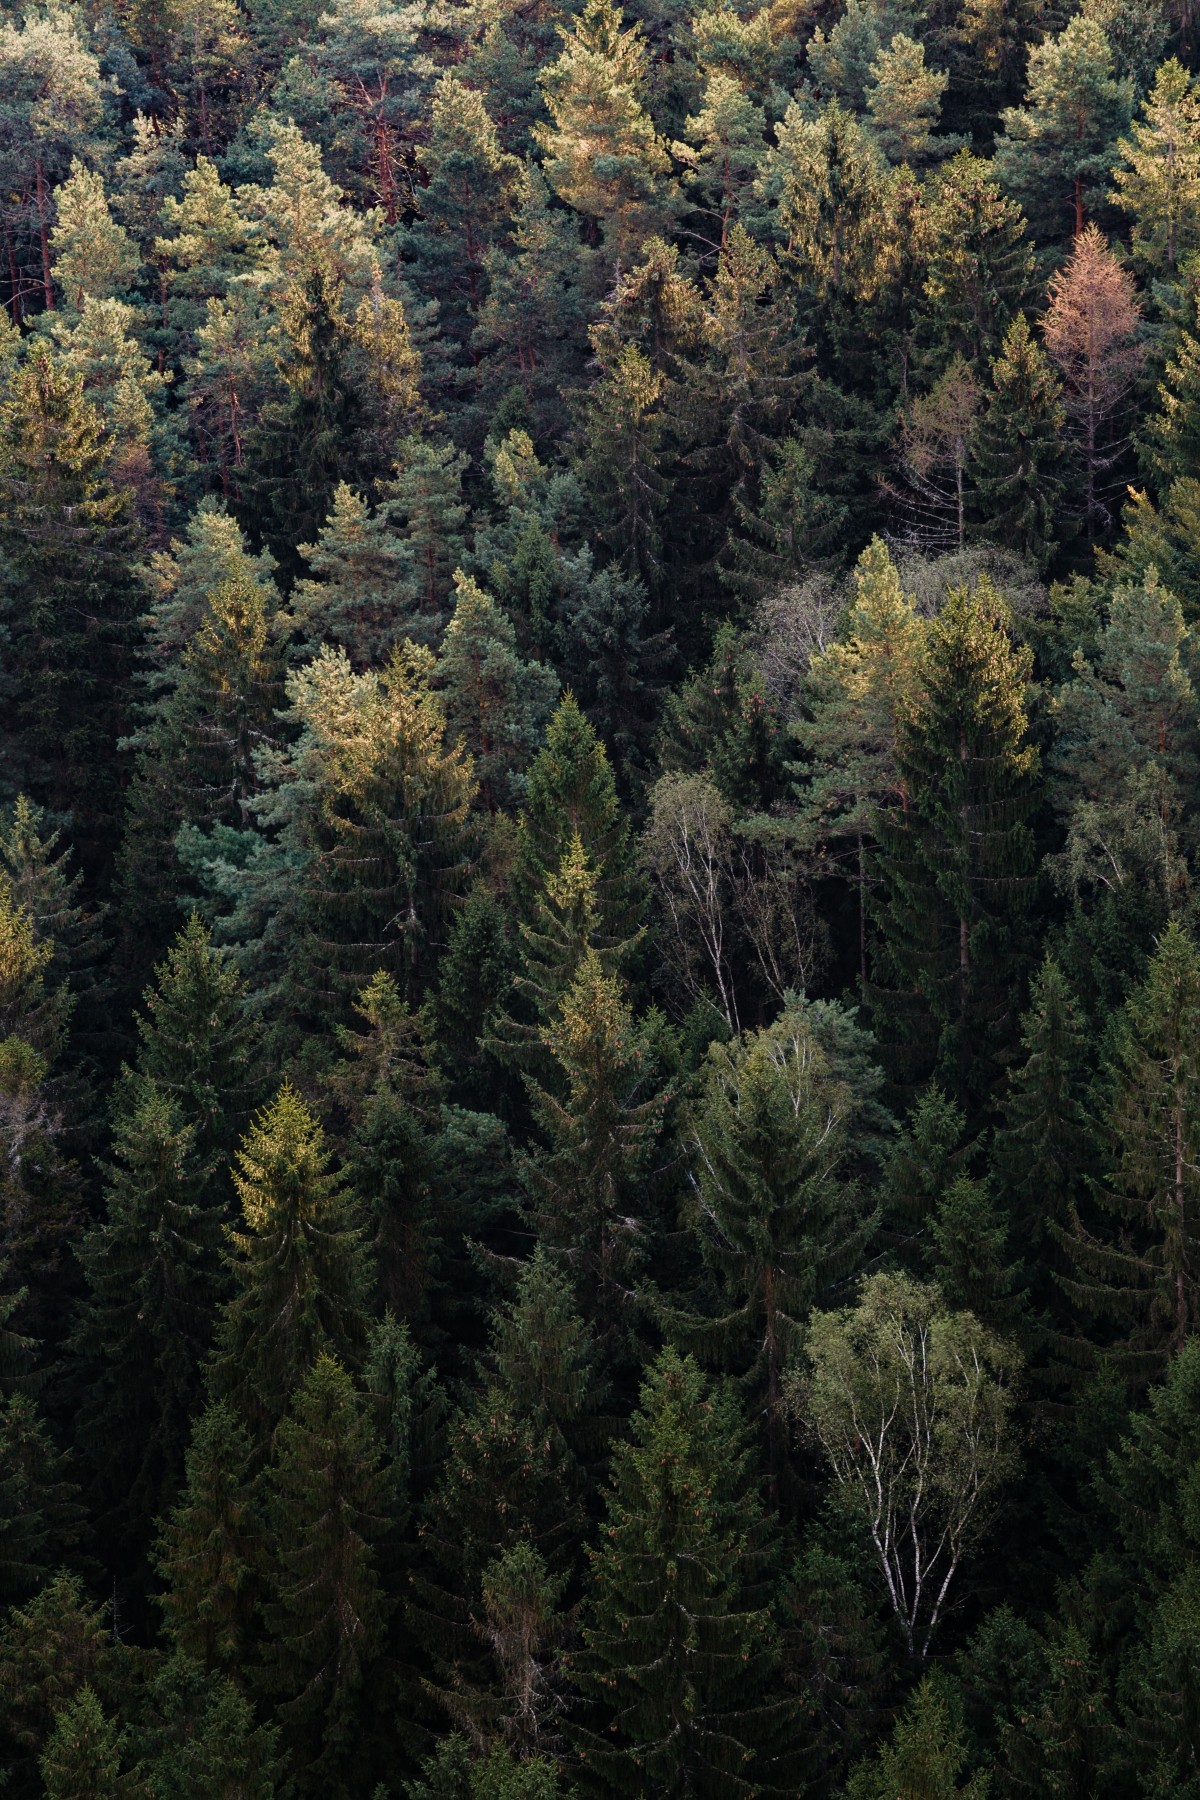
(1137, 1268)
(67, 600)
(209, 1552)
(678, 1645)
(979, 262)
(82, 1758)
(571, 790)
(496, 703)
(41, 1520)
(1019, 451)
(154, 1276)
(587, 1187)
(298, 1267)
(955, 863)
(778, 1220)
(926, 1755)
(325, 1611)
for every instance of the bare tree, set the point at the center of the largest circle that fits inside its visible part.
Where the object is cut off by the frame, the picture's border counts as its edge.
(1091, 332)
(935, 445)
(687, 850)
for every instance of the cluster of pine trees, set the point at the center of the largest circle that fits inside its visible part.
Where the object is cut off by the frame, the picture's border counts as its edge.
(599, 968)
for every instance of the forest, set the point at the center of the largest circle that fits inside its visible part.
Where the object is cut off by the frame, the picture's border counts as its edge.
(599, 973)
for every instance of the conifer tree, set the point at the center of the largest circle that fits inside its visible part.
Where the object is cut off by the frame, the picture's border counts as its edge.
(1172, 433)
(1141, 1271)
(778, 1220)
(496, 703)
(361, 596)
(722, 155)
(1057, 149)
(66, 600)
(979, 262)
(298, 1267)
(955, 863)
(858, 691)
(1044, 1149)
(154, 1277)
(677, 1643)
(833, 205)
(1019, 450)
(201, 1740)
(423, 504)
(602, 153)
(93, 256)
(1157, 181)
(209, 1553)
(41, 1519)
(587, 1187)
(325, 1609)
(82, 1758)
(1090, 330)
(571, 791)
(465, 205)
(926, 1754)
(904, 100)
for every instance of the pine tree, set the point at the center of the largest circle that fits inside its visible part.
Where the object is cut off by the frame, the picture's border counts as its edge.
(602, 153)
(209, 1553)
(496, 703)
(1057, 149)
(66, 600)
(298, 1267)
(82, 1758)
(325, 1610)
(1157, 181)
(904, 101)
(1127, 779)
(955, 862)
(465, 206)
(677, 1644)
(1019, 450)
(721, 157)
(93, 256)
(1172, 433)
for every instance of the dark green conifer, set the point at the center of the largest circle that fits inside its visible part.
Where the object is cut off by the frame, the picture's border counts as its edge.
(325, 1611)
(678, 1645)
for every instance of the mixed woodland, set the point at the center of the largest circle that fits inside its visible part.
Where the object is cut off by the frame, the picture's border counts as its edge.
(599, 967)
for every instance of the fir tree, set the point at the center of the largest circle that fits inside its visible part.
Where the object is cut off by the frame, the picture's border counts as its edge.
(926, 1755)
(571, 791)
(677, 1643)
